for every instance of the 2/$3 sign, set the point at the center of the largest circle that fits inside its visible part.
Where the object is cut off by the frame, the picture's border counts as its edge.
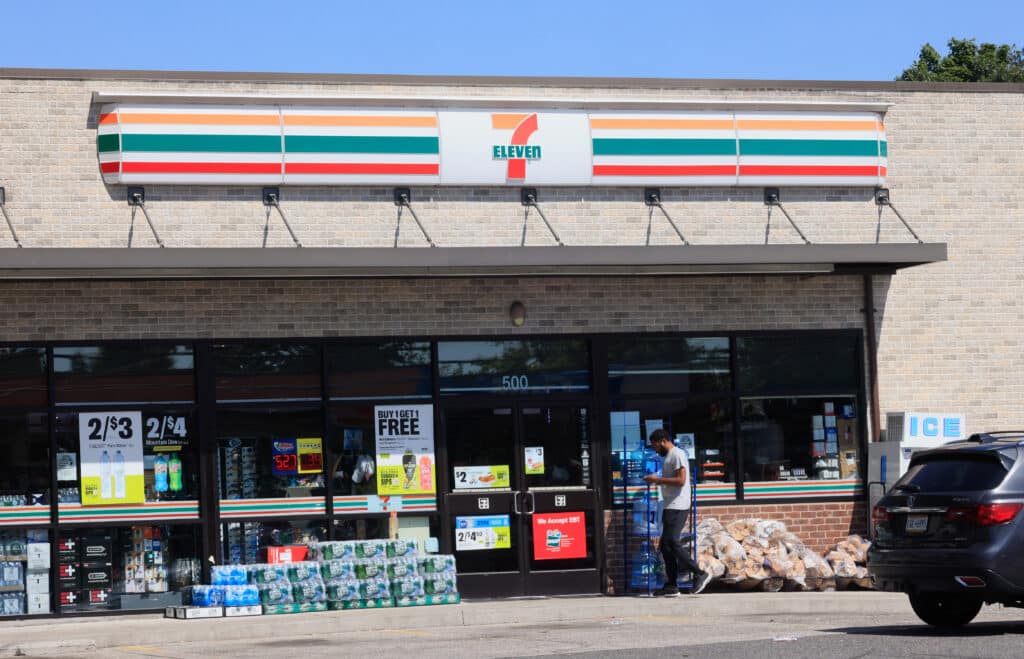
(111, 450)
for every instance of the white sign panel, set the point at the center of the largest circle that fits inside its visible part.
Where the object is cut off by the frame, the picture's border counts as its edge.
(510, 148)
(112, 470)
(405, 449)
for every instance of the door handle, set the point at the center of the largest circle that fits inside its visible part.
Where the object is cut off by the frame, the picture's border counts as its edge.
(515, 503)
(533, 503)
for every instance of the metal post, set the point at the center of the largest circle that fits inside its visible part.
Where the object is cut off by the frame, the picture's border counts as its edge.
(882, 199)
(271, 200)
(137, 200)
(529, 199)
(418, 223)
(771, 198)
(14, 234)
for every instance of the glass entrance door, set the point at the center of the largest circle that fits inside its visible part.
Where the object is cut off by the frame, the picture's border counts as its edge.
(520, 507)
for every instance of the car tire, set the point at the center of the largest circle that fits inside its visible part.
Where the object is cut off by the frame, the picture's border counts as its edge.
(945, 610)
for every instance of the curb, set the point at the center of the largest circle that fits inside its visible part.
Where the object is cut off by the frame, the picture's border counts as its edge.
(35, 637)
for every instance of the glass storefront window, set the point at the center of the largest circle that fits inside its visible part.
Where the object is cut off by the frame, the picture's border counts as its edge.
(270, 452)
(24, 571)
(22, 377)
(169, 446)
(353, 449)
(396, 369)
(799, 439)
(702, 427)
(25, 463)
(267, 371)
(123, 373)
(526, 366)
(248, 543)
(668, 365)
(127, 568)
(805, 362)
(559, 439)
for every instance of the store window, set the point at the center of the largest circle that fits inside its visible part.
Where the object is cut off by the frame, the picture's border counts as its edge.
(270, 452)
(123, 373)
(353, 450)
(529, 366)
(800, 439)
(121, 456)
(24, 571)
(392, 369)
(22, 377)
(267, 372)
(127, 568)
(675, 365)
(804, 362)
(277, 541)
(703, 428)
(25, 461)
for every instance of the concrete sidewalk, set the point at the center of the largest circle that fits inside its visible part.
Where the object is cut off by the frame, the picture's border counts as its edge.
(82, 635)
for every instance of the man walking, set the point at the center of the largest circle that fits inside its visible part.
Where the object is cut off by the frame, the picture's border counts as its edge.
(675, 494)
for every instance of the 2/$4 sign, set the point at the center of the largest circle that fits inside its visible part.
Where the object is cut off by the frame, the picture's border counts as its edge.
(280, 144)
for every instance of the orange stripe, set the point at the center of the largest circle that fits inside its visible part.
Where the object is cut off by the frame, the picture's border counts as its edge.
(799, 124)
(663, 124)
(506, 121)
(108, 118)
(356, 120)
(208, 119)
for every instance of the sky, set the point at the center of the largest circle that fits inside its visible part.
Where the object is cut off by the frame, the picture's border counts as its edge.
(784, 40)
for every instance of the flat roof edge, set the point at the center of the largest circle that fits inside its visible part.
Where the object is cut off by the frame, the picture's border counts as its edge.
(529, 81)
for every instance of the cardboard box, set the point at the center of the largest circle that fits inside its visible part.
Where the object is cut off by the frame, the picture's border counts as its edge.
(67, 549)
(39, 556)
(287, 554)
(96, 548)
(193, 612)
(67, 574)
(69, 599)
(39, 603)
(96, 576)
(37, 581)
(96, 598)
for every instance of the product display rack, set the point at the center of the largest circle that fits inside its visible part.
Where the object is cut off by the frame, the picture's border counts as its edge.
(642, 563)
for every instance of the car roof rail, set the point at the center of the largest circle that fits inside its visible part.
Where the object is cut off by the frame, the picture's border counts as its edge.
(994, 436)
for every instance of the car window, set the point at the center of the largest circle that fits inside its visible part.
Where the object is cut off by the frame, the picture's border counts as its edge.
(953, 473)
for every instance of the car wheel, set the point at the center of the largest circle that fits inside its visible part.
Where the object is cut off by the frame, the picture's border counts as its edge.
(944, 610)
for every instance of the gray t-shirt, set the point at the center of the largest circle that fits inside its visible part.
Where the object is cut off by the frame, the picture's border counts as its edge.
(676, 498)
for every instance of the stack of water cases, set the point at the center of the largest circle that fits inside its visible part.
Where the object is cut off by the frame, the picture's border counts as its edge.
(24, 572)
(366, 574)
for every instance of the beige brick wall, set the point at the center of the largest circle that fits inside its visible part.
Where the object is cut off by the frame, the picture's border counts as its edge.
(948, 333)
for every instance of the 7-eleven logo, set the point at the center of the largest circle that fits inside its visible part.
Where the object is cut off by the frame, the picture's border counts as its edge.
(516, 151)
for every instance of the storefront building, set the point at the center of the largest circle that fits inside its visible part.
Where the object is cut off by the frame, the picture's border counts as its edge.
(243, 311)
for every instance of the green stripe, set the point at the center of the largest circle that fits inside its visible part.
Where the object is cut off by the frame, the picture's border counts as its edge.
(867, 148)
(257, 509)
(106, 143)
(41, 515)
(664, 147)
(816, 488)
(885, 149)
(203, 143)
(359, 144)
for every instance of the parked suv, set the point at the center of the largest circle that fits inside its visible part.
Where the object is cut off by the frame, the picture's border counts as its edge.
(950, 534)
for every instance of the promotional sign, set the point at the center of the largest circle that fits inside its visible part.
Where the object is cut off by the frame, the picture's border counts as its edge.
(283, 459)
(112, 469)
(686, 441)
(482, 532)
(490, 476)
(405, 449)
(166, 433)
(311, 454)
(559, 535)
(930, 428)
(304, 455)
(272, 144)
(534, 459)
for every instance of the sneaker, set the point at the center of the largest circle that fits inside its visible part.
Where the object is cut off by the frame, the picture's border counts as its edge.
(666, 591)
(701, 583)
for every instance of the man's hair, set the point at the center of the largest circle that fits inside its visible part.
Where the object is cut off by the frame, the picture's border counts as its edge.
(659, 435)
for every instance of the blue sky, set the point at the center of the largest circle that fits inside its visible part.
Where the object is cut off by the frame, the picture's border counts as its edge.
(736, 39)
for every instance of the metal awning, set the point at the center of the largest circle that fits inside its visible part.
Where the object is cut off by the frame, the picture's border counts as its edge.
(406, 262)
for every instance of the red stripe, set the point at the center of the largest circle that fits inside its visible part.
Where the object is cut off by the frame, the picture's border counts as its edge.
(520, 136)
(664, 170)
(429, 168)
(110, 167)
(201, 168)
(810, 170)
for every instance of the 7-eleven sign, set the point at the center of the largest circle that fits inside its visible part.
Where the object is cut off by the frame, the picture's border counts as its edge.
(516, 150)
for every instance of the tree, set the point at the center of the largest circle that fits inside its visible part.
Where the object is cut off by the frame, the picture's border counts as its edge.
(968, 62)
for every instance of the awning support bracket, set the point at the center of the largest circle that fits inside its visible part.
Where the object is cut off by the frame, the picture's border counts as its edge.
(272, 199)
(883, 200)
(137, 200)
(528, 197)
(403, 197)
(10, 225)
(652, 197)
(772, 199)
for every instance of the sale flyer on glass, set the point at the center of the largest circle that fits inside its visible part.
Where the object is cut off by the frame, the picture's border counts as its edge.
(405, 449)
(110, 446)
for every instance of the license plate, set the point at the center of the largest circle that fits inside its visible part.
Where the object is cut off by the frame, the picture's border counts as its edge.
(917, 523)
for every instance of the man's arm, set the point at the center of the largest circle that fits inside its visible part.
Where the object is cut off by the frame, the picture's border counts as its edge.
(676, 480)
